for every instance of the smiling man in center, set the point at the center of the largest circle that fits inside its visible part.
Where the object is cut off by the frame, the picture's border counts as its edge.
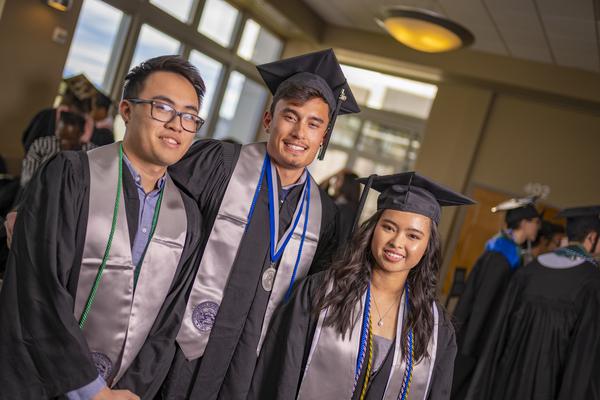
(269, 226)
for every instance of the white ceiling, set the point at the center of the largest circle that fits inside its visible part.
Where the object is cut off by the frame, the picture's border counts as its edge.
(559, 32)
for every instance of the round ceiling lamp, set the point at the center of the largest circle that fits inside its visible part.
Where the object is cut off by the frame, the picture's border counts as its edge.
(61, 5)
(424, 30)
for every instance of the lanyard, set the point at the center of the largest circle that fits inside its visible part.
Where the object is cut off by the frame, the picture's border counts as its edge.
(277, 248)
(88, 305)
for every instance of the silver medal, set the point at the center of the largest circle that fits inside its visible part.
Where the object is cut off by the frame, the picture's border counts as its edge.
(268, 278)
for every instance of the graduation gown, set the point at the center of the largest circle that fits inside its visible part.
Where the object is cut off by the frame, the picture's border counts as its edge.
(546, 343)
(43, 352)
(284, 355)
(476, 313)
(226, 368)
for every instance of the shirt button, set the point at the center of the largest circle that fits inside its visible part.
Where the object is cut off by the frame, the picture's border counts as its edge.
(144, 230)
(137, 178)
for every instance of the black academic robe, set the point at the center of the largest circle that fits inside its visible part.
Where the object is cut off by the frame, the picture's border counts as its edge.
(283, 358)
(546, 343)
(475, 314)
(43, 352)
(226, 368)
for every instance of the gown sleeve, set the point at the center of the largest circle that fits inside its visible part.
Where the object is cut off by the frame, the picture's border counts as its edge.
(43, 352)
(281, 361)
(480, 303)
(149, 369)
(580, 379)
(441, 379)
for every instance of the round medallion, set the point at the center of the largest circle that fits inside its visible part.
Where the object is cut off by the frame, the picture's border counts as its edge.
(204, 315)
(268, 278)
(103, 365)
(380, 323)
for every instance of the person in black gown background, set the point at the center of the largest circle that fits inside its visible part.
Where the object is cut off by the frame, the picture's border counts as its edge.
(346, 333)
(478, 306)
(546, 344)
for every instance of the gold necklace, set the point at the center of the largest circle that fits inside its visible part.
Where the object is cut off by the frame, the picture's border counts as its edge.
(380, 323)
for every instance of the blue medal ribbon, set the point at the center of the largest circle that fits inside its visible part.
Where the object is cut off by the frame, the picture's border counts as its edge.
(277, 248)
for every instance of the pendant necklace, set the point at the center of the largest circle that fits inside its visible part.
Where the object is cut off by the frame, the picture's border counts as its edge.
(380, 323)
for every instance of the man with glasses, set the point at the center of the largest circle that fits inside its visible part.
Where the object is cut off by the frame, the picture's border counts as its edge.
(103, 252)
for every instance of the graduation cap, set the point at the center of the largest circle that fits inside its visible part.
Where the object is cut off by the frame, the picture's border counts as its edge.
(319, 70)
(579, 218)
(81, 86)
(411, 192)
(518, 208)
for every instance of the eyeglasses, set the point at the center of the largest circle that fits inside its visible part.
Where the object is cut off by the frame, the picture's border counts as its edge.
(165, 113)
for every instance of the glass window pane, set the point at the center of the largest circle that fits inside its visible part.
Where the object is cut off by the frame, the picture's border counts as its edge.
(218, 21)
(345, 131)
(241, 110)
(210, 70)
(258, 45)
(180, 9)
(386, 92)
(385, 141)
(93, 42)
(366, 167)
(334, 161)
(153, 43)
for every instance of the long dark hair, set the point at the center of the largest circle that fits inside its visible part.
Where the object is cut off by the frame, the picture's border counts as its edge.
(351, 273)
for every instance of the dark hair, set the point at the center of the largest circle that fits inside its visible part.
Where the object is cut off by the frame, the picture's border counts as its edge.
(73, 102)
(301, 94)
(516, 224)
(547, 231)
(579, 228)
(350, 275)
(102, 100)
(71, 118)
(136, 78)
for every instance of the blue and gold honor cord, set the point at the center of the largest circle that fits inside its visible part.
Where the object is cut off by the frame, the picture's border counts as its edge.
(410, 355)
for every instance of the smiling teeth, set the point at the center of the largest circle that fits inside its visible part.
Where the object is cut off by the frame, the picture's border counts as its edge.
(170, 140)
(294, 147)
(393, 255)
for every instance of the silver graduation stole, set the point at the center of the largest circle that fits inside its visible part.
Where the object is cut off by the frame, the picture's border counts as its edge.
(222, 250)
(331, 365)
(120, 317)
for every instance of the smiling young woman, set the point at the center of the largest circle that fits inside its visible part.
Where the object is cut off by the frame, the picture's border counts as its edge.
(369, 327)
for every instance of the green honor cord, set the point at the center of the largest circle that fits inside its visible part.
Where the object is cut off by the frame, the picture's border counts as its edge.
(110, 239)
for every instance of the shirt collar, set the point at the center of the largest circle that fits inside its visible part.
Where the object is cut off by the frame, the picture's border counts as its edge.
(300, 181)
(137, 178)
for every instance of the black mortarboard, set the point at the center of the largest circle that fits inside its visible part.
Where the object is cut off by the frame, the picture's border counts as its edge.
(81, 86)
(580, 218)
(413, 192)
(518, 208)
(320, 70)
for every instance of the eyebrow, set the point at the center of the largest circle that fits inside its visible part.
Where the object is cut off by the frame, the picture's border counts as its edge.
(389, 221)
(311, 118)
(168, 100)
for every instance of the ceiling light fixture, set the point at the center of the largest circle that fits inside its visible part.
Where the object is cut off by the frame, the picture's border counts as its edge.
(423, 30)
(62, 5)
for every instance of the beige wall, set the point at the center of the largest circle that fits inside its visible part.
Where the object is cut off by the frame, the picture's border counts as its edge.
(31, 67)
(449, 145)
(527, 141)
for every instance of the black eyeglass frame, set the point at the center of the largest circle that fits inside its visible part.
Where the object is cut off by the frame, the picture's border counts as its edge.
(199, 121)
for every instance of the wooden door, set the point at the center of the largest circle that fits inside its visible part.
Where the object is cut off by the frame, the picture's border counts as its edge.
(479, 225)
